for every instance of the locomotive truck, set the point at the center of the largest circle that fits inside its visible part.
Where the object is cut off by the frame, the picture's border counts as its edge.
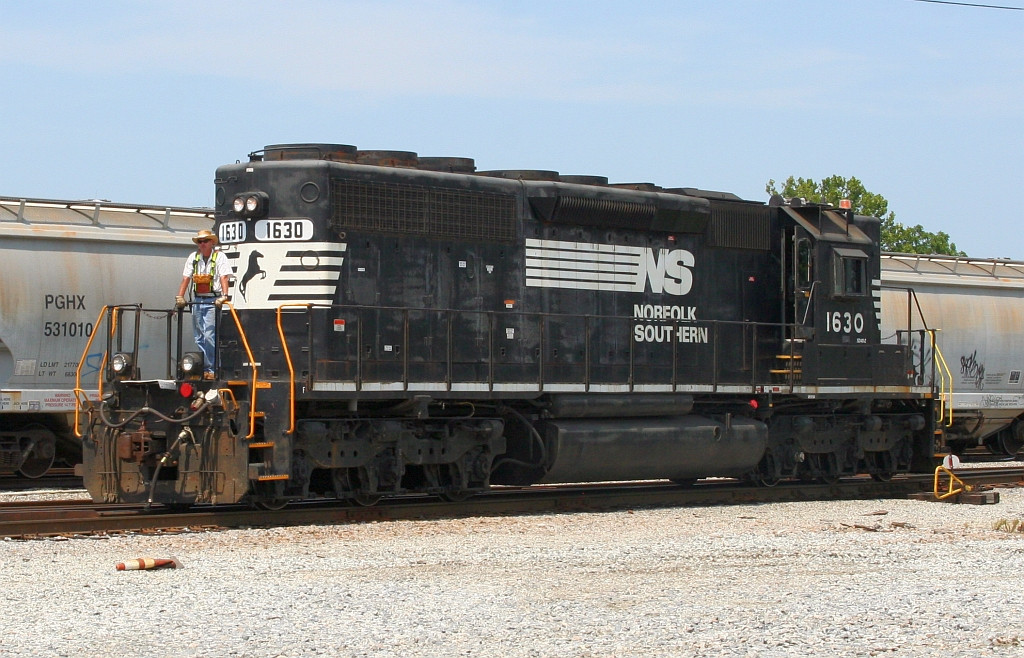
(410, 324)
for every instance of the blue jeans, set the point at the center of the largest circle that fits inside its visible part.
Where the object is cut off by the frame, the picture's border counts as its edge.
(204, 325)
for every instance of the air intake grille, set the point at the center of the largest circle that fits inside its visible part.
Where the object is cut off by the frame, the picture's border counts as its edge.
(740, 226)
(604, 212)
(442, 213)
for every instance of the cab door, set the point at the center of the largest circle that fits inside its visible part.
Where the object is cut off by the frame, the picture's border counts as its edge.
(799, 281)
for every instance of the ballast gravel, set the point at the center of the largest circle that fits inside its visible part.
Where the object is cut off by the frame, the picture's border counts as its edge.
(865, 578)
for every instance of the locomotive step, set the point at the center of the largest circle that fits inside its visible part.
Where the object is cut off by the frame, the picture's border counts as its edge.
(789, 356)
(265, 444)
(271, 478)
(258, 472)
(244, 382)
(785, 371)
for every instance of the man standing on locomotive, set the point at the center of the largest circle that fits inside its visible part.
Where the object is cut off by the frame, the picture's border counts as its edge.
(207, 271)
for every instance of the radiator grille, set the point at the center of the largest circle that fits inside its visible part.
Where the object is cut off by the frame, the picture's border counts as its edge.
(442, 213)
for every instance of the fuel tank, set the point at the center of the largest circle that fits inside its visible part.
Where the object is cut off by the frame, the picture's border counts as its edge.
(678, 447)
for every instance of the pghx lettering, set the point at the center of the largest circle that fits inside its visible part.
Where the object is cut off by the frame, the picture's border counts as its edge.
(71, 302)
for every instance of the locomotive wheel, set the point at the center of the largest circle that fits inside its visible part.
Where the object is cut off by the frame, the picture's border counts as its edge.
(827, 466)
(271, 504)
(456, 494)
(267, 495)
(882, 465)
(42, 445)
(347, 483)
(365, 499)
(768, 474)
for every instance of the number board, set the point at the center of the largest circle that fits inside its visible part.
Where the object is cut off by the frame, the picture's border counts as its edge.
(284, 229)
(229, 232)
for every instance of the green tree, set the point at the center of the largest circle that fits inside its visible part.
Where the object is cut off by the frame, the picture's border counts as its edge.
(895, 236)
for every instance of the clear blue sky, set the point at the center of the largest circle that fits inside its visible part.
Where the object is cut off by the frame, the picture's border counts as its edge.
(139, 102)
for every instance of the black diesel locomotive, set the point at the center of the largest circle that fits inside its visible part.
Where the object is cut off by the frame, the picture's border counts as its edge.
(403, 324)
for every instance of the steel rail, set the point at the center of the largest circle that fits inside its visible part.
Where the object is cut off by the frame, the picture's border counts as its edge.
(500, 501)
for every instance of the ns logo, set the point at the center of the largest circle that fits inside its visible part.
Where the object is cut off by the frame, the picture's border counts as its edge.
(667, 271)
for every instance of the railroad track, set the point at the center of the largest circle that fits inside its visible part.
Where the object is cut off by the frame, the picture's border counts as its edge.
(55, 478)
(38, 520)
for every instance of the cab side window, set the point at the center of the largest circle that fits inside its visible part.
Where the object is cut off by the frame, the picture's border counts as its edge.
(849, 273)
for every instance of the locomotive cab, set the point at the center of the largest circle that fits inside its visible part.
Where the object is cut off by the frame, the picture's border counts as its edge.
(832, 299)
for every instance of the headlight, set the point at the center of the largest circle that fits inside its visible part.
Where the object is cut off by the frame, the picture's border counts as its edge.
(191, 363)
(121, 364)
(250, 204)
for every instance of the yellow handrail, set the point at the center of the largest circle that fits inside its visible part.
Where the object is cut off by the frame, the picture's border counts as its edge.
(944, 375)
(252, 362)
(956, 485)
(288, 360)
(81, 399)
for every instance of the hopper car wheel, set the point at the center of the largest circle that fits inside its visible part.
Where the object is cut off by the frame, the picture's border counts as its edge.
(1011, 439)
(42, 446)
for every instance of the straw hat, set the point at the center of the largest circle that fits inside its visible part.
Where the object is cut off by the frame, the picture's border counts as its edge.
(204, 235)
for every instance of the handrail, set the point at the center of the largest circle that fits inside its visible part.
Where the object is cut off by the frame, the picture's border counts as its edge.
(719, 373)
(722, 372)
(81, 398)
(291, 367)
(945, 374)
(810, 298)
(252, 363)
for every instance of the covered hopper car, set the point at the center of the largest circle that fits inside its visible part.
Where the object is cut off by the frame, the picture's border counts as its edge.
(405, 324)
(61, 262)
(977, 307)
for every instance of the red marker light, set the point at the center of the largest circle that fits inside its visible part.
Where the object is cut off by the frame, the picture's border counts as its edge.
(845, 204)
(753, 404)
(185, 390)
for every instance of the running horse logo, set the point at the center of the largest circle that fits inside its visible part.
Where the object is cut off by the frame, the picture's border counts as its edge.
(251, 270)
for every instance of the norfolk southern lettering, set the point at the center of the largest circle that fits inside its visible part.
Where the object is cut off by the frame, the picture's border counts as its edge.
(666, 333)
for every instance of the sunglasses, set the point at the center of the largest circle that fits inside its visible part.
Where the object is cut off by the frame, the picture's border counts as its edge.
(204, 240)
